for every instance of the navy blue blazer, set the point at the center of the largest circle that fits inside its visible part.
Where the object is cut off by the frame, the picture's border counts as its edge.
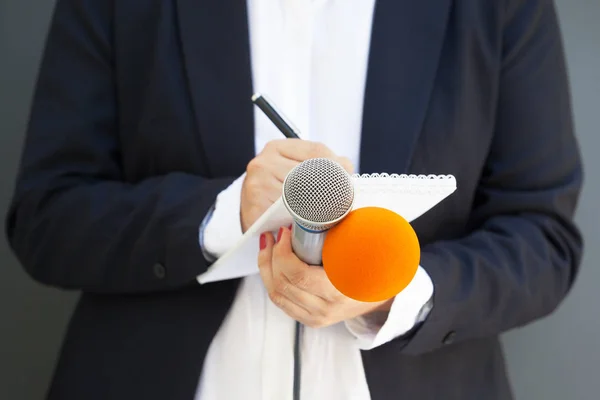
(142, 115)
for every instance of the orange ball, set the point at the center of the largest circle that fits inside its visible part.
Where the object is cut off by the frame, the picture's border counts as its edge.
(371, 255)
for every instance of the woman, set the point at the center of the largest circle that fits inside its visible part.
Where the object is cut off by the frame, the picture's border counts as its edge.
(145, 160)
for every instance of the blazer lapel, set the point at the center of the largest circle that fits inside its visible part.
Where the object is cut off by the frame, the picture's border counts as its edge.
(406, 43)
(216, 52)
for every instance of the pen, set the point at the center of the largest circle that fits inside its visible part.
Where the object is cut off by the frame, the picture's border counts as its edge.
(291, 133)
(277, 118)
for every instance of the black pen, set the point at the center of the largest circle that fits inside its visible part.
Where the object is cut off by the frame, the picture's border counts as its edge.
(291, 133)
(288, 130)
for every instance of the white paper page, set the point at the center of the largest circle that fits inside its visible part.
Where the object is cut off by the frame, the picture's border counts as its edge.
(408, 196)
(241, 260)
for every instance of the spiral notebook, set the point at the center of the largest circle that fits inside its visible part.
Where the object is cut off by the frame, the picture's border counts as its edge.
(408, 195)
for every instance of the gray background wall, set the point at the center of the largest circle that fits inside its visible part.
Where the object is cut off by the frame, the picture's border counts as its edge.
(559, 358)
(555, 359)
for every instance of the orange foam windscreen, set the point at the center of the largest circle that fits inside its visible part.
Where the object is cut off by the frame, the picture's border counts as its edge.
(371, 255)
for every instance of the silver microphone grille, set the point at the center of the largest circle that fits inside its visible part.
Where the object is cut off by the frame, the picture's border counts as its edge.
(318, 192)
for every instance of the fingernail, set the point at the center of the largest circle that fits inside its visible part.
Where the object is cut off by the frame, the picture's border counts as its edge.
(290, 227)
(279, 234)
(263, 241)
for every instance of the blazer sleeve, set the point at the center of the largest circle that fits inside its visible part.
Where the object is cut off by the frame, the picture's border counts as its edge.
(523, 251)
(74, 221)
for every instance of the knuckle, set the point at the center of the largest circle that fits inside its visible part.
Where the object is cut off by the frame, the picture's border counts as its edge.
(338, 297)
(310, 323)
(269, 145)
(276, 298)
(251, 186)
(272, 145)
(282, 287)
(317, 149)
(333, 295)
(347, 164)
(300, 279)
(321, 312)
(254, 165)
(317, 322)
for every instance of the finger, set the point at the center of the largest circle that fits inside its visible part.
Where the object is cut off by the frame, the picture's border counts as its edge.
(264, 260)
(281, 166)
(271, 162)
(272, 190)
(298, 313)
(322, 286)
(278, 298)
(287, 263)
(346, 163)
(301, 150)
(265, 166)
(262, 186)
(294, 292)
(309, 279)
(310, 302)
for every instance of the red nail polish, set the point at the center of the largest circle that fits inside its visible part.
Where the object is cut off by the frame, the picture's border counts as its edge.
(279, 234)
(263, 241)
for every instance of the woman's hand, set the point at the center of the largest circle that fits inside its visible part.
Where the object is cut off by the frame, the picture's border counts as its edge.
(303, 291)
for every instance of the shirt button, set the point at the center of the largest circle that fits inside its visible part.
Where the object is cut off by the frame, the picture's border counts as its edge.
(159, 271)
(449, 338)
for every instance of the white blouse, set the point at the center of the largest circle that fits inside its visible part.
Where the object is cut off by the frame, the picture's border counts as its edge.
(310, 57)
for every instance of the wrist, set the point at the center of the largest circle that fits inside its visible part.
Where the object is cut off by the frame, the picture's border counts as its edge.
(377, 311)
(385, 306)
(201, 235)
(222, 228)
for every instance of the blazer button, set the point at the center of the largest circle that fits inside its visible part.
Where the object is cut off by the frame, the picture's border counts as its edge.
(159, 271)
(449, 338)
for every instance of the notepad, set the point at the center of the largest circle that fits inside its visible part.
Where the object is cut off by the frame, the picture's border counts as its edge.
(408, 195)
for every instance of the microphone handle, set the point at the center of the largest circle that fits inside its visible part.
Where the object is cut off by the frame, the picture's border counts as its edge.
(308, 245)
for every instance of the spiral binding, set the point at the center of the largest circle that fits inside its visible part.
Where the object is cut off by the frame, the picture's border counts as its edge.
(406, 183)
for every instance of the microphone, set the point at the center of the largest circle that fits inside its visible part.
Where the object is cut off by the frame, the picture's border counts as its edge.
(318, 193)
(372, 255)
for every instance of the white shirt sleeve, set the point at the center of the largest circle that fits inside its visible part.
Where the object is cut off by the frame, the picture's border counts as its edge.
(379, 328)
(222, 227)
